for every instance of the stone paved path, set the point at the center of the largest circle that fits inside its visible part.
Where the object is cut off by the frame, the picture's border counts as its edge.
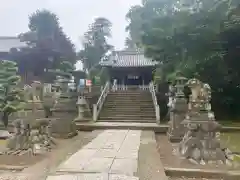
(112, 155)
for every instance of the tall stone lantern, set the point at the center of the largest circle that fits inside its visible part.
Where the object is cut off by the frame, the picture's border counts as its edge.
(178, 110)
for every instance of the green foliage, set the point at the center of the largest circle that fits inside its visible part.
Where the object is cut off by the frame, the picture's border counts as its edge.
(95, 43)
(65, 70)
(50, 36)
(93, 72)
(11, 96)
(48, 45)
(104, 75)
(193, 36)
(99, 76)
(157, 75)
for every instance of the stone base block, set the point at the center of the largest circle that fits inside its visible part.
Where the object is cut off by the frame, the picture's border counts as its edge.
(64, 136)
(174, 138)
(63, 128)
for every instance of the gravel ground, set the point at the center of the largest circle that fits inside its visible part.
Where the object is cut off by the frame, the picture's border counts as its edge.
(41, 170)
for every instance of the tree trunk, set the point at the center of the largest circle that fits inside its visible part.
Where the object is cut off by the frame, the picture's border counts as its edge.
(5, 119)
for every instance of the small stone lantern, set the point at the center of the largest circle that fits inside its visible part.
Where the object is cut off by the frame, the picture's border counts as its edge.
(81, 104)
(180, 83)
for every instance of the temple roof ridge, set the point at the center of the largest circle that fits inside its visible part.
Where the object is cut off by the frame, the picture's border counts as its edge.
(128, 58)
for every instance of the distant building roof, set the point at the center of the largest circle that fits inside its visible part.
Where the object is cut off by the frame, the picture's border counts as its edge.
(128, 59)
(7, 43)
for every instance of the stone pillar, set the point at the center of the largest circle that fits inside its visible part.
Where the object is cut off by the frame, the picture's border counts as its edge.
(200, 143)
(178, 109)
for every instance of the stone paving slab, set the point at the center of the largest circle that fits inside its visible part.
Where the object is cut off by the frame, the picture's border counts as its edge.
(89, 176)
(106, 153)
(99, 165)
(121, 177)
(127, 153)
(112, 155)
(92, 176)
(77, 161)
(124, 166)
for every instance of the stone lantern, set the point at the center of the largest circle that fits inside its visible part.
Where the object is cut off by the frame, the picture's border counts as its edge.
(178, 110)
(81, 104)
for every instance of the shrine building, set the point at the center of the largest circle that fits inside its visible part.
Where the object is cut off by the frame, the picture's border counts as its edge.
(130, 68)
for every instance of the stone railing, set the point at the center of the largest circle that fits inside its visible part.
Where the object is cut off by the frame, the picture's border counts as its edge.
(98, 106)
(154, 98)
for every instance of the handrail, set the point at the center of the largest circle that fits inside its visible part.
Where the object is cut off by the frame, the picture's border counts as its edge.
(154, 98)
(98, 106)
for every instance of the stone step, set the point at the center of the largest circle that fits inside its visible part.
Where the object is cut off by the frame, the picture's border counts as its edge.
(135, 105)
(127, 120)
(132, 104)
(129, 111)
(128, 101)
(129, 95)
(123, 125)
(114, 114)
(130, 91)
(139, 118)
(129, 108)
(129, 98)
(135, 116)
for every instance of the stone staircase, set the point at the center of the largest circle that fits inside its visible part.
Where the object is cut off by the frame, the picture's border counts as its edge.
(128, 106)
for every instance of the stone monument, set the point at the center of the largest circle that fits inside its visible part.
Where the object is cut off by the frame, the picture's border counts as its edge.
(178, 109)
(200, 143)
(30, 136)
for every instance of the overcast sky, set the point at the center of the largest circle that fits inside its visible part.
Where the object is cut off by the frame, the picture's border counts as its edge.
(74, 15)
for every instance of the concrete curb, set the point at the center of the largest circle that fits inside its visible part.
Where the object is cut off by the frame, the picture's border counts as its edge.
(150, 166)
(162, 128)
(202, 173)
(12, 168)
(122, 125)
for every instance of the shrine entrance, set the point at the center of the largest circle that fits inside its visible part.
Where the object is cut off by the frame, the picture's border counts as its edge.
(133, 80)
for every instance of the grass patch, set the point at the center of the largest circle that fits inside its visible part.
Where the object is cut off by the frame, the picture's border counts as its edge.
(230, 123)
(231, 140)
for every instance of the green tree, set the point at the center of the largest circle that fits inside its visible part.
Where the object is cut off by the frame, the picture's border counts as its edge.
(11, 97)
(48, 44)
(195, 36)
(50, 35)
(134, 27)
(130, 44)
(95, 45)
